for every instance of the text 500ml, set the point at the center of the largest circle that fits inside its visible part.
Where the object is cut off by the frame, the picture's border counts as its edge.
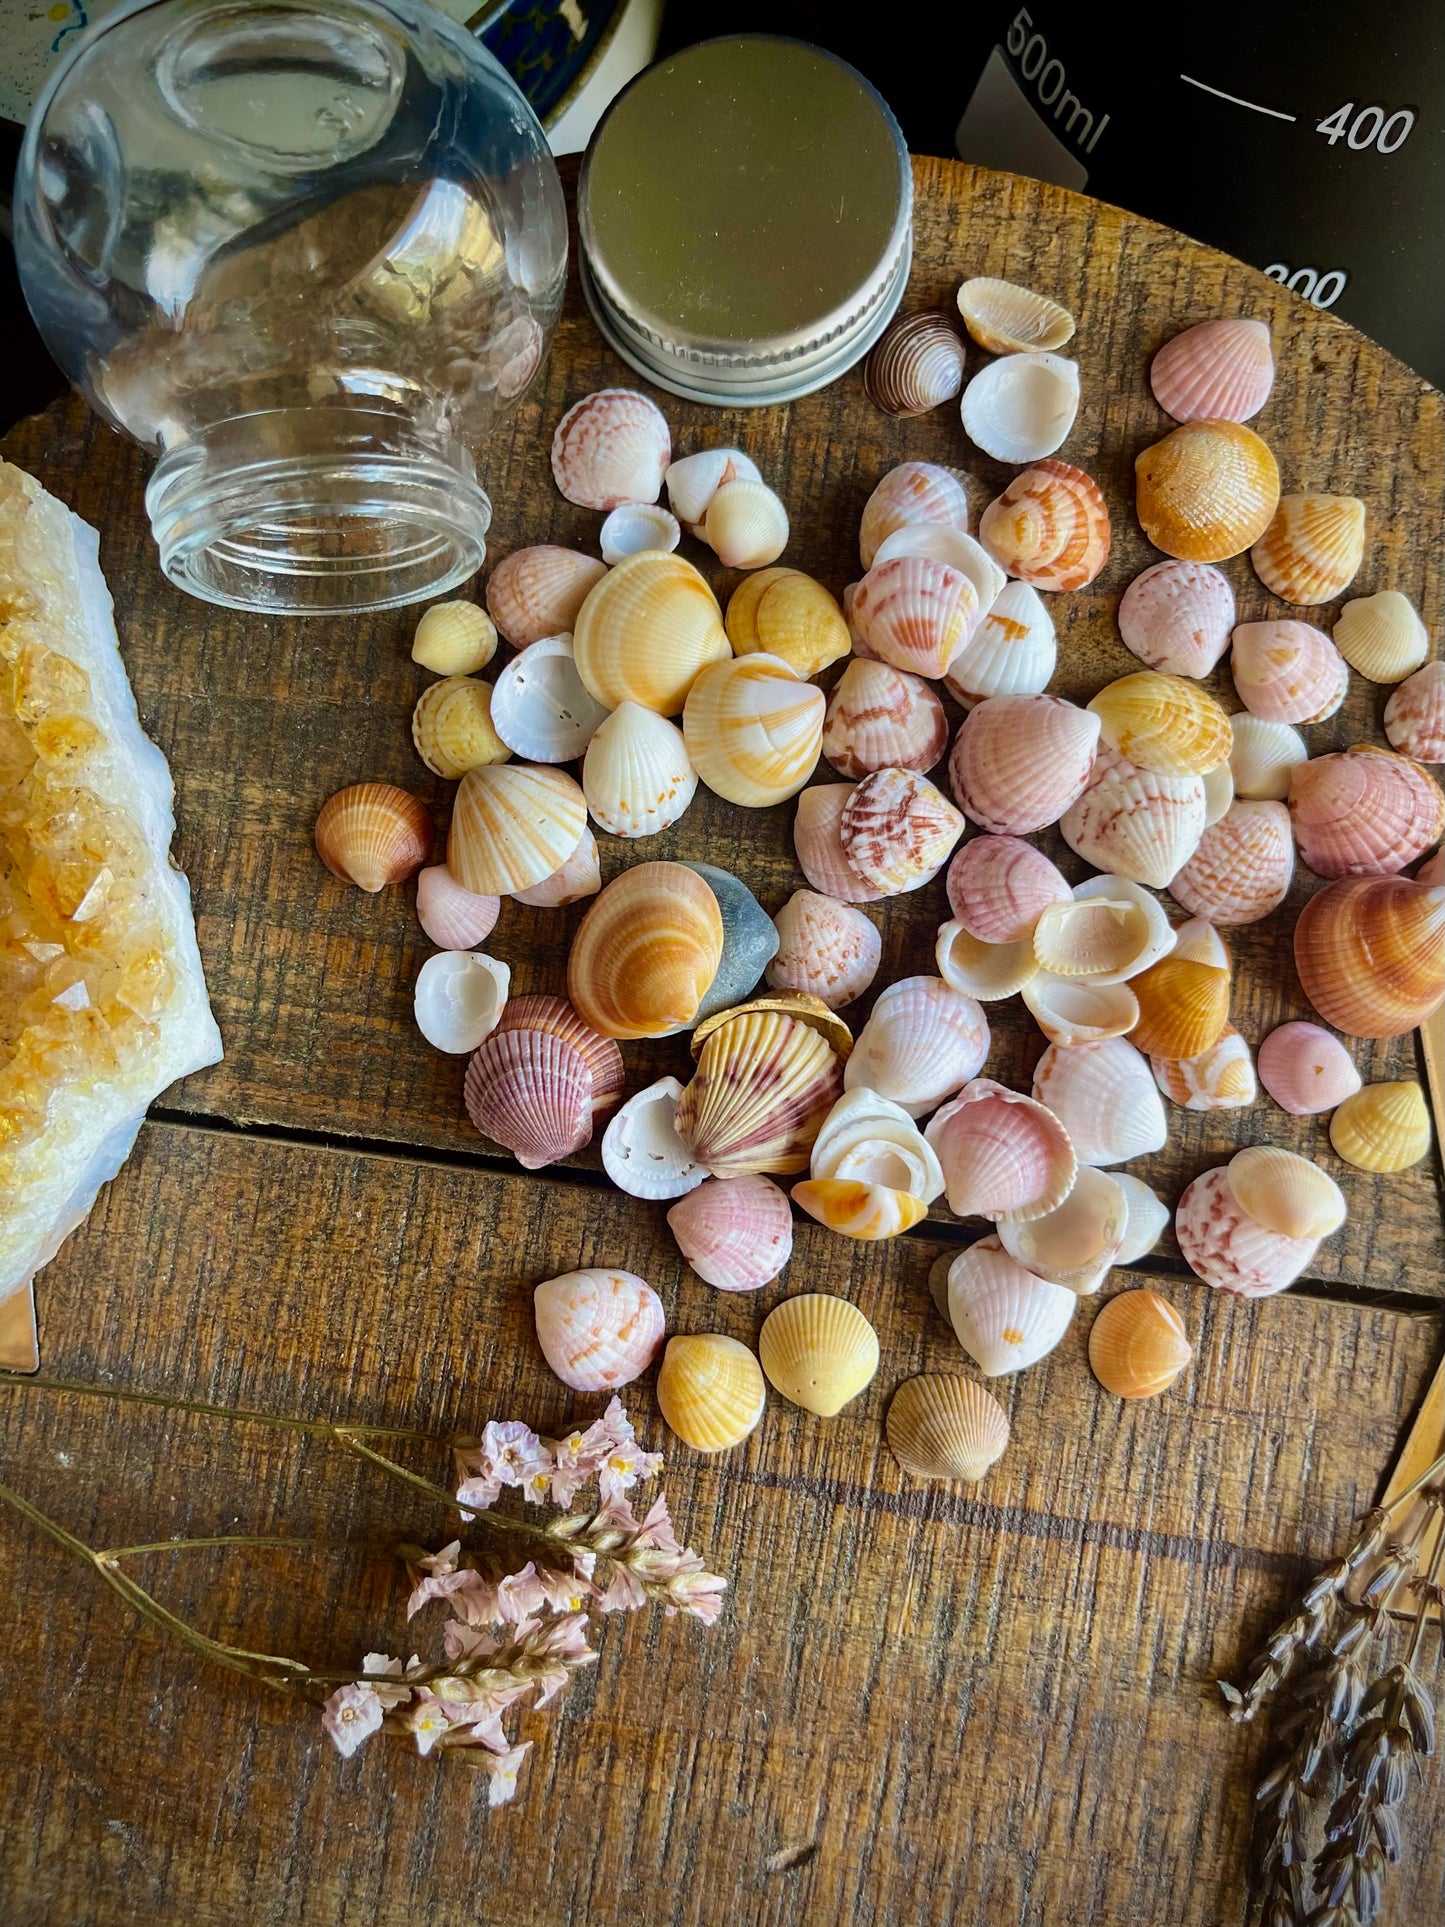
(1045, 74)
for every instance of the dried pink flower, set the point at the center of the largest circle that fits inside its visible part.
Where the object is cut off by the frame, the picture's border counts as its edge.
(426, 1720)
(565, 1592)
(436, 1577)
(351, 1715)
(501, 1770)
(624, 1592)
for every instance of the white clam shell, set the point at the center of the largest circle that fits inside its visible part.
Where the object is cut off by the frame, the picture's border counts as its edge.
(693, 481)
(746, 525)
(868, 1139)
(1148, 1216)
(458, 999)
(1005, 1317)
(1012, 652)
(922, 1042)
(1079, 1010)
(1161, 931)
(1218, 794)
(988, 971)
(1021, 407)
(941, 542)
(912, 492)
(637, 775)
(1263, 755)
(637, 526)
(1134, 822)
(1075, 1244)
(540, 708)
(1105, 1097)
(641, 1150)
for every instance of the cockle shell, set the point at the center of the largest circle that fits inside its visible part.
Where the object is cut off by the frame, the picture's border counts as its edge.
(1018, 762)
(818, 840)
(898, 830)
(879, 717)
(1262, 756)
(1077, 1010)
(1176, 617)
(1160, 931)
(922, 1042)
(807, 1009)
(1242, 867)
(1306, 1070)
(869, 1140)
(1003, 1155)
(646, 952)
(988, 971)
(1147, 1219)
(746, 525)
(373, 834)
(1286, 1193)
(820, 1352)
(454, 639)
(637, 775)
(1207, 491)
(1218, 1079)
(868, 1212)
(538, 592)
(825, 947)
(646, 630)
(1218, 794)
(942, 1427)
(1075, 1244)
(1368, 950)
(736, 1233)
(916, 613)
(1004, 1316)
(458, 998)
(452, 917)
(530, 1090)
(453, 727)
(912, 492)
(1228, 1249)
(1312, 549)
(763, 1085)
(693, 480)
(1138, 1345)
(1218, 370)
(999, 885)
(1012, 652)
(1050, 527)
(1021, 407)
(1095, 937)
(611, 447)
(711, 1391)
(513, 826)
(1382, 637)
(1415, 715)
(941, 542)
(1366, 812)
(1184, 998)
(753, 728)
(1007, 319)
(641, 1150)
(1164, 724)
(1384, 1127)
(555, 1016)
(916, 365)
(598, 1329)
(580, 876)
(1105, 1097)
(784, 613)
(636, 526)
(1135, 823)
(1288, 672)
(750, 942)
(540, 709)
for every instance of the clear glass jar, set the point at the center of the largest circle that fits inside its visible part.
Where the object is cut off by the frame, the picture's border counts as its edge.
(307, 253)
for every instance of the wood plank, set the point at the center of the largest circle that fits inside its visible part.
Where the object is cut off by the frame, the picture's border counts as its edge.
(921, 1705)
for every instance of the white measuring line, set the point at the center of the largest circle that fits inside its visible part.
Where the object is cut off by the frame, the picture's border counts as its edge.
(1235, 101)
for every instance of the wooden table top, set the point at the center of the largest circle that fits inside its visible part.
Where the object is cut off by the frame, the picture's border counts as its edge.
(921, 1704)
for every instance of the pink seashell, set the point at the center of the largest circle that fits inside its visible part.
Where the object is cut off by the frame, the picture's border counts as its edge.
(602, 1055)
(580, 876)
(998, 886)
(1288, 672)
(825, 947)
(818, 840)
(1306, 1069)
(923, 1041)
(532, 1092)
(1004, 1156)
(610, 448)
(454, 918)
(1018, 762)
(736, 1233)
(1050, 527)
(1242, 868)
(598, 1329)
(1229, 1250)
(1105, 1096)
(1415, 715)
(897, 830)
(1432, 870)
(1366, 812)
(916, 613)
(1176, 617)
(912, 492)
(880, 717)
(1219, 1079)
(1134, 822)
(535, 593)
(1217, 371)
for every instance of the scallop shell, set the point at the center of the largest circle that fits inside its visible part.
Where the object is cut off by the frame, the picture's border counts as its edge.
(1382, 637)
(1135, 823)
(1367, 950)
(940, 542)
(999, 885)
(879, 717)
(1007, 319)
(825, 947)
(531, 1091)
(1176, 617)
(1313, 548)
(611, 447)
(1105, 1097)
(808, 1010)
(1078, 1011)
(784, 613)
(513, 826)
(916, 365)
(753, 729)
(453, 728)
(922, 1042)
(941, 1427)
(1138, 1345)
(870, 1140)
(1165, 724)
(1148, 1216)
(1050, 527)
(1288, 672)
(1367, 812)
(636, 526)
(746, 525)
(1306, 1070)
(1075, 1245)
(818, 1352)
(868, 1212)
(1003, 1155)
(454, 639)
(646, 952)
(912, 492)
(1005, 1317)
(1218, 1079)
(693, 481)
(1384, 1127)
(1225, 1247)
(1262, 756)
(1286, 1193)
(1218, 370)
(818, 840)
(554, 1015)
(641, 1150)
(646, 630)
(736, 1233)
(580, 876)
(539, 591)
(1184, 998)
(452, 917)
(598, 1329)
(458, 998)
(750, 941)
(1207, 491)
(763, 1085)
(1242, 868)
(637, 775)
(1021, 407)
(1019, 762)
(988, 971)
(373, 834)
(916, 613)
(1415, 715)
(898, 830)
(1012, 652)
(1161, 931)
(540, 709)
(711, 1391)
(1095, 937)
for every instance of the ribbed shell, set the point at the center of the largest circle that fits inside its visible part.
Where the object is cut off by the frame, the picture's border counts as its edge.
(1285, 1192)
(1135, 823)
(693, 480)
(1099, 937)
(1147, 1219)
(818, 840)
(1176, 617)
(818, 1351)
(1312, 550)
(1007, 319)
(1261, 757)
(941, 542)
(1306, 1070)
(1220, 1078)
(1207, 491)
(784, 613)
(825, 947)
(711, 1391)
(879, 717)
(598, 1329)
(531, 1091)
(1138, 1345)
(646, 630)
(538, 1011)
(943, 1427)
(922, 1042)
(1005, 1317)
(1366, 812)
(1218, 370)
(1165, 724)
(1003, 1155)
(454, 639)
(454, 729)
(538, 592)
(911, 492)
(736, 1233)
(999, 885)
(1019, 762)
(1105, 1097)
(763, 1085)
(1368, 949)
(1183, 1003)
(916, 613)
(753, 729)
(1415, 715)
(916, 365)
(1242, 867)
(746, 525)
(637, 775)
(452, 917)
(1050, 527)
(898, 830)
(1384, 1127)
(1012, 652)
(1228, 1249)
(646, 952)
(870, 1140)
(1382, 636)
(513, 825)
(373, 834)
(611, 447)
(579, 876)
(1288, 672)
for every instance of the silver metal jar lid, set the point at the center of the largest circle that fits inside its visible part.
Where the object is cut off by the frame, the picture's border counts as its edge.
(745, 214)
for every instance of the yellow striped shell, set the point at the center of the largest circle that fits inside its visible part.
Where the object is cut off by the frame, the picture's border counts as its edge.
(868, 1212)
(1382, 636)
(784, 613)
(452, 727)
(513, 825)
(1285, 1193)
(763, 1085)
(454, 639)
(646, 952)
(943, 1427)
(646, 630)
(1384, 1127)
(1312, 548)
(1163, 723)
(819, 1352)
(754, 729)
(711, 1390)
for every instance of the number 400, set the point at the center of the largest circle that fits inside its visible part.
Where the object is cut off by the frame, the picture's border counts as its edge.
(1368, 127)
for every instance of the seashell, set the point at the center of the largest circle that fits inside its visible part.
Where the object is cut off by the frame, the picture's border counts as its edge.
(824, 947)
(736, 1233)
(637, 775)
(1207, 491)
(998, 886)
(531, 1091)
(1095, 937)
(1176, 617)
(1007, 319)
(1138, 1345)
(784, 613)
(809, 1010)
(869, 1212)
(1415, 715)
(1384, 1127)
(942, 1427)
(818, 840)
(1018, 762)
(1050, 527)
(458, 998)
(879, 717)
(598, 1329)
(912, 492)
(1003, 1155)
(540, 1012)
(916, 613)
(1004, 1316)
(1286, 1193)
(453, 729)
(1075, 1245)
(897, 830)
(452, 917)
(1366, 812)
(753, 729)
(939, 542)
(540, 591)
(693, 481)
(1218, 1079)
(1242, 867)
(1218, 794)
(1147, 1217)
(1432, 870)
(1225, 1247)
(636, 526)
(750, 940)
(916, 365)
(1021, 407)
(988, 971)
(1218, 370)
(611, 447)
(1306, 1070)
(1161, 931)
(1012, 652)
(513, 825)
(922, 1042)
(1184, 998)
(1135, 823)
(711, 1391)
(1367, 950)
(871, 1140)
(1288, 672)
(454, 639)
(641, 1150)
(764, 1083)
(746, 525)
(645, 631)
(580, 876)
(1382, 637)
(1313, 548)
(540, 709)
(646, 952)
(1262, 756)
(1077, 1010)
(818, 1352)
(373, 834)
(1164, 724)
(1105, 1097)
